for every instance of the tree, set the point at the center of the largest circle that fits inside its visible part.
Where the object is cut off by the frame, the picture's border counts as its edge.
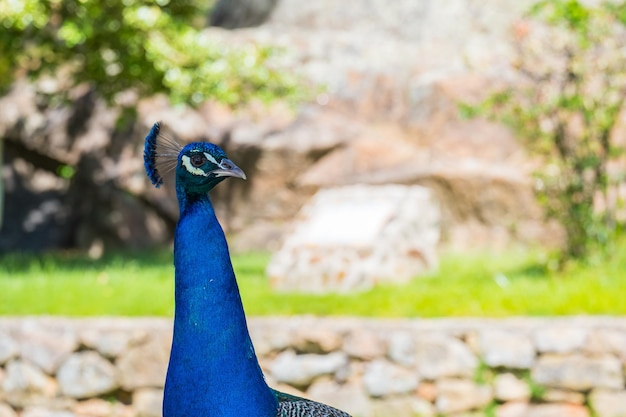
(566, 107)
(136, 48)
(143, 46)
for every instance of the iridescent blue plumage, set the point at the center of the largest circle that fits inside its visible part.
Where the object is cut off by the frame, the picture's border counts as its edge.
(213, 369)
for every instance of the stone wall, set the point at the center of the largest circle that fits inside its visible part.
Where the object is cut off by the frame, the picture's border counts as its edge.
(104, 367)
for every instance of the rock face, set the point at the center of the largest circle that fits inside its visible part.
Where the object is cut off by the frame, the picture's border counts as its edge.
(420, 367)
(351, 238)
(393, 73)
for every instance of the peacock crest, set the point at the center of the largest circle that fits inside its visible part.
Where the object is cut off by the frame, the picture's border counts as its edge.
(160, 154)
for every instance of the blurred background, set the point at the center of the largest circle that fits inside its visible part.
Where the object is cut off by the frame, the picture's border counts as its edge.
(509, 113)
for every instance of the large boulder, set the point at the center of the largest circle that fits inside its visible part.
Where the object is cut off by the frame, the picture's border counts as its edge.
(355, 237)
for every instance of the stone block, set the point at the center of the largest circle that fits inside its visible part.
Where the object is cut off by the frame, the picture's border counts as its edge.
(354, 237)
(444, 357)
(608, 341)
(145, 365)
(363, 344)
(460, 395)
(553, 395)
(427, 391)
(608, 403)
(8, 347)
(577, 372)
(98, 407)
(46, 346)
(513, 409)
(267, 338)
(383, 378)
(507, 349)
(25, 384)
(560, 339)
(316, 340)
(148, 402)
(86, 374)
(301, 370)
(402, 348)
(110, 343)
(522, 409)
(7, 411)
(348, 397)
(45, 412)
(557, 410)
(402, 407)
(508, 387)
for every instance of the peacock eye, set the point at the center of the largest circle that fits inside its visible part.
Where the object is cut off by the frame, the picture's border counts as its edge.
(198, 160)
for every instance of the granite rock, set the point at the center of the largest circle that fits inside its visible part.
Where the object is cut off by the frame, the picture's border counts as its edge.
(45, 412)
(608, 341)
(508, 387)
(349, 397)
(46, 346)
(98, 407)
(148, 402)
(363, 344)
(7, 411)
(608, 403)
(25, 384)
(554, 395)
(316, 340)
(402, 407)
(87, 374)
(460, 395)
(513, 409)
(443, 357)
(383, 378)
(557, 410)
(144, 365)
(577, 372)
(301, 370)
(110, 343)
(354, 237)
(507, 350)
(8, 347)
(560, 339)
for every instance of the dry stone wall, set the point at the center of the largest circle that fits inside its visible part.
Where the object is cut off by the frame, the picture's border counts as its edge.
(115, 367)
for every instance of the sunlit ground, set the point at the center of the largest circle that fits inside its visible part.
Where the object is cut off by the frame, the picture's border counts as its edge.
(467, 284)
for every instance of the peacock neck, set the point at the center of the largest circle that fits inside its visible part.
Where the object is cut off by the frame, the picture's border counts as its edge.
(213, 369)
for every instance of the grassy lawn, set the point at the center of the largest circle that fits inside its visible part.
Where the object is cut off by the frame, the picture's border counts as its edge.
(469, 284)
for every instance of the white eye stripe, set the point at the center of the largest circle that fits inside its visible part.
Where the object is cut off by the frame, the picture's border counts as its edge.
(210, 158)
(192, 170)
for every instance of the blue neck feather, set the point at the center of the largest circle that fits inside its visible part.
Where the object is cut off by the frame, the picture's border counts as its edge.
(213, 370)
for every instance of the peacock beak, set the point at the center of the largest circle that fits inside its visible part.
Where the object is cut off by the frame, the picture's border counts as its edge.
(227, 168)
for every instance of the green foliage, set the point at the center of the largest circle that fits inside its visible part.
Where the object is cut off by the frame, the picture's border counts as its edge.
(571, 58)
(513, 283)
(143, 46)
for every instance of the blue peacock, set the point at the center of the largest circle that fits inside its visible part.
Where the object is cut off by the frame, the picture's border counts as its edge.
(213, 370)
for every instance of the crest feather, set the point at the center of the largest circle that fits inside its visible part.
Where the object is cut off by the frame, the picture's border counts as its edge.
(160, 155)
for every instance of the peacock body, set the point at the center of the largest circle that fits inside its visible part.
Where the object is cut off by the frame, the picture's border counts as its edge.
(213, 369)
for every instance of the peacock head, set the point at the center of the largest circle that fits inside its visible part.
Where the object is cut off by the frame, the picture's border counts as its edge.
(199, 166)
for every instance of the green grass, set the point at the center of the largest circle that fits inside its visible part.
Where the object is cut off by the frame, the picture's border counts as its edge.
(471, 284)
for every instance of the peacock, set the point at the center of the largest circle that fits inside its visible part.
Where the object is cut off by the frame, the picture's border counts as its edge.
(213, 370)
